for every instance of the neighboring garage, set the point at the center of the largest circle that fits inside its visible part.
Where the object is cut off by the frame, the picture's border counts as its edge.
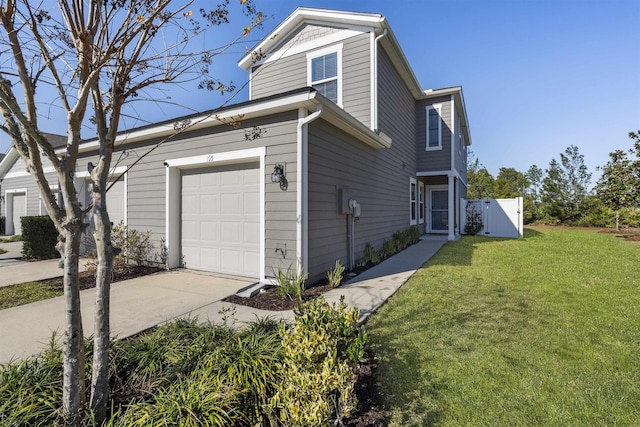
(220, 211)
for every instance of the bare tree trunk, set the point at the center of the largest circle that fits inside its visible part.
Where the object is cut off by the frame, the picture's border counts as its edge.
(617, 219)
(73, 345)
(104, 251)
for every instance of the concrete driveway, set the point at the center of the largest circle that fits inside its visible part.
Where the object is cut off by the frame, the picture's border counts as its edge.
(136, 305)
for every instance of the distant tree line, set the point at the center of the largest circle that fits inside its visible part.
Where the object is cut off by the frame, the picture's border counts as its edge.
(561, 194)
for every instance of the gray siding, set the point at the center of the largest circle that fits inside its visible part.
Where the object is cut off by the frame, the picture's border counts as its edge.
(459, 153)
(396, 111)
(147, 180)
(291, 73)
(375, 178)
(434, 160)
(304, 34)
(26, 181)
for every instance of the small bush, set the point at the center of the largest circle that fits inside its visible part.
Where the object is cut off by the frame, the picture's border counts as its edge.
(290, 282)
(474, 223)
(371, 256)
(134, 247)
(388, 248)
(334, 276)
(40, 237)
(320, 352)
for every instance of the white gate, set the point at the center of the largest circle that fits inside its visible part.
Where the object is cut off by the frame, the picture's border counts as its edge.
(500, 217)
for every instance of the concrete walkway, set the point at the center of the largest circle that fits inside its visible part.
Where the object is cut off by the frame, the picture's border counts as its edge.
(144, 302)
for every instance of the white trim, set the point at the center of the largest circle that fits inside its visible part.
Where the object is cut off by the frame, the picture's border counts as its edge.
(21, 174)
(114, 173)
(337, 49)
(313, 44)
(451, 209)
(173, 218)
(421, 202)
(429, 218)
(373, 75)
(438, 109)
(453, 135)
(56, 195)
(302, 193)
(349, 20)
(413, 201)
(8, 199)
(207, 120)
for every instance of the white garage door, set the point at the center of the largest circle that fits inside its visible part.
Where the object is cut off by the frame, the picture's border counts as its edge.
(19, 210)
(221, 219)
(115, 202)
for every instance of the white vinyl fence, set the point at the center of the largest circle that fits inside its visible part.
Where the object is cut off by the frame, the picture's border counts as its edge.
(500, 217)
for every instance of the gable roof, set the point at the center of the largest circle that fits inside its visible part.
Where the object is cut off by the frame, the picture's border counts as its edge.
(374, 21)
(11, 156)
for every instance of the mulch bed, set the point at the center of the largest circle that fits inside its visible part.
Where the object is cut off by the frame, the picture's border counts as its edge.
(369, 411)
(270, 300)
(88, 280)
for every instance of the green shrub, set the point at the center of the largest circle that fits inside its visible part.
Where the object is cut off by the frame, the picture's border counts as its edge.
(290, 282)
(388, 248)
(134, 247)
(474, 222)
(317, 371)
(334, 276)
(371, 256)
(39, 237)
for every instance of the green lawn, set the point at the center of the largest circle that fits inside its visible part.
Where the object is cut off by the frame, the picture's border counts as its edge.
(493, 332)
(25, 293)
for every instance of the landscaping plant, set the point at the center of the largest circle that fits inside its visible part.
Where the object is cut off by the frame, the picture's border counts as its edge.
(290, 282)
(317, 371)
(334, 275)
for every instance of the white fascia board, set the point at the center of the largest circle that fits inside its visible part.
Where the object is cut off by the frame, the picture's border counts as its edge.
(21, 174)
(8, 161)
(113, 171)
(302, 14)
(346, 122)
(436, 173)
(313, 44)
(228, 157)
(210, 120)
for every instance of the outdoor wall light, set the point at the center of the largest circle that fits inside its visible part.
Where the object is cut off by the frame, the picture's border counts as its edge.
(278, 176)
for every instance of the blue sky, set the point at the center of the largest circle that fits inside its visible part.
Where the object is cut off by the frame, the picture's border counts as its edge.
(537, 76)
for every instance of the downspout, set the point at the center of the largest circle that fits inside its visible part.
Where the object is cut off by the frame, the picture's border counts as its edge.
(302, 193)
(374, 119)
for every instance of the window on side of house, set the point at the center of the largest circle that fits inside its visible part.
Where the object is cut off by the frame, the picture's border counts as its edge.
(325, 72)
(420, 202)
(434, 127)
(413, 197)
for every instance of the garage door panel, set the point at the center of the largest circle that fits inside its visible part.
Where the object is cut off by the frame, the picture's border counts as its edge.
(19, 210)
(226, 211)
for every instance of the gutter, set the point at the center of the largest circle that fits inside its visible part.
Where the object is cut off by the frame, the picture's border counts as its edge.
(302, 194)
(374, 119)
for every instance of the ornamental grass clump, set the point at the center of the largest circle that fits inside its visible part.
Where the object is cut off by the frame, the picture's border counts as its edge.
(335, 275)
(290, 282)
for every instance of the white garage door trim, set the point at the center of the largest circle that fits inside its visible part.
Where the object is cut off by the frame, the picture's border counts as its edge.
(8, 197)
(173, 195)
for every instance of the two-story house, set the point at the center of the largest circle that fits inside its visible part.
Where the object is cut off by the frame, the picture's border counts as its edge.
(338, 146)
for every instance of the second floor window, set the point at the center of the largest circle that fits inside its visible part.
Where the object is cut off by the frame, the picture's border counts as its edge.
(434, 128)
(324, 73)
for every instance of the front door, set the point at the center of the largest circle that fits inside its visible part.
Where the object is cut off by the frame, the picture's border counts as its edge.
(439, 211)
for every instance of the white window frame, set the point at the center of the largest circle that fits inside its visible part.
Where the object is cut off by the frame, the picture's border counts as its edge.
(413, 201)
(420, 202)
(337, 49)
(438, 108)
